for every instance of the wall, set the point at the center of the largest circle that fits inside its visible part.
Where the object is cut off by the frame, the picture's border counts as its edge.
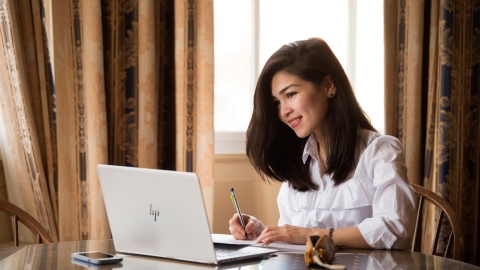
(254, 196)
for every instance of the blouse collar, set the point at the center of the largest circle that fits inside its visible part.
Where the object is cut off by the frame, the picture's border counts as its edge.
(310, 148)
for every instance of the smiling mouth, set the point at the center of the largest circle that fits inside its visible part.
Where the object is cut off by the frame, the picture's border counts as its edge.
(294, 123)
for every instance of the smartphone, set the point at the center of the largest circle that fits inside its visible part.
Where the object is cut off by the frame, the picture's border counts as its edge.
(87, 265)
(96, 257)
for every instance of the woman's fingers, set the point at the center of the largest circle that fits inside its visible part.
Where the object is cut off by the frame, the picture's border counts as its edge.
(253, 227)
(269, 234)
(237, 234)
(285, 233)
(250, 227)
(236, 228)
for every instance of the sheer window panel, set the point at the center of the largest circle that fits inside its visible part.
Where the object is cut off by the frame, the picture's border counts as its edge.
(233, 64)
(282, 22)
(369, 61)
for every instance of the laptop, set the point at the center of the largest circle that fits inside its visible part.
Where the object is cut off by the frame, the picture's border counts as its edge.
(161, 213)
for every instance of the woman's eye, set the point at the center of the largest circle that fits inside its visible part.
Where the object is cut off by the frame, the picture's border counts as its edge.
(291, 94)
(276, 103)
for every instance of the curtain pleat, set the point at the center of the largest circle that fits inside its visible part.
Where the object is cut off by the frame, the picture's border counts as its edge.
(450, 126)
(121, 59)
(194, 92)
(147, 88)
(21, 152)
(165, 39)
(456, 138)
(81, 118)
(403, 59)
(95, 115)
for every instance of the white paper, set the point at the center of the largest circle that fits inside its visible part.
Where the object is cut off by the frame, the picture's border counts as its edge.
(280, 246)
(228, 239)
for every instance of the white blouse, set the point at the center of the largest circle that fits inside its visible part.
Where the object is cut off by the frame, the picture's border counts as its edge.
(377, 197)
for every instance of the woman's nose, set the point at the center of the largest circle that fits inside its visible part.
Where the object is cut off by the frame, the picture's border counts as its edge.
(285, 111)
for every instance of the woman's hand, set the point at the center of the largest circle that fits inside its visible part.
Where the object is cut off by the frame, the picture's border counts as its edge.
(286, 233)
(253, 227)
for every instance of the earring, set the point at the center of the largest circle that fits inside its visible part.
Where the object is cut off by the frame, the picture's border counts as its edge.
(332, 95)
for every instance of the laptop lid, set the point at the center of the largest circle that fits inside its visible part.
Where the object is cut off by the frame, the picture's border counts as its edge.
(160, 213)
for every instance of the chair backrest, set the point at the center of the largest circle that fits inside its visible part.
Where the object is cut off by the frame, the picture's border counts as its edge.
(445, 209)
(26, 219)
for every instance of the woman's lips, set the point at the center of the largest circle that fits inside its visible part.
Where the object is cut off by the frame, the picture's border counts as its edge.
(294, 122)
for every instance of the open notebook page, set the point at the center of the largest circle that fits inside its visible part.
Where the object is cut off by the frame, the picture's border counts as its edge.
(280, 246)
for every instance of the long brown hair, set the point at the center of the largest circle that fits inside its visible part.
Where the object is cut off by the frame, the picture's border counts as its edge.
(273, 148)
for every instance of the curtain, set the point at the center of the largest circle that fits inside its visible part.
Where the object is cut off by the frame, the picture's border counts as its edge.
(102, 82)
(432, 63)
(25, 86)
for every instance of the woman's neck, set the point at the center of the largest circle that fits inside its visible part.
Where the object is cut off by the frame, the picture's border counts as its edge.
(321, 146)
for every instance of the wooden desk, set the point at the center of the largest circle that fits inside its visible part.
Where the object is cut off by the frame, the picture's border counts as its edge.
(58, 256)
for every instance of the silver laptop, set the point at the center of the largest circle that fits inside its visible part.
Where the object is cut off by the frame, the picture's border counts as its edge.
(161, 213)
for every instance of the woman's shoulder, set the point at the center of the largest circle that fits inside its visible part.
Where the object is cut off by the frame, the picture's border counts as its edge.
(380, 147)
(369, 138)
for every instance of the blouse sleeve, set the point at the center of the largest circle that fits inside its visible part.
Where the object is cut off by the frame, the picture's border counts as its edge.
(394, 204)
(282, 201)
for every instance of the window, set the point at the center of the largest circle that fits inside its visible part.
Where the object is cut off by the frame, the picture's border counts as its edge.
(247, 32)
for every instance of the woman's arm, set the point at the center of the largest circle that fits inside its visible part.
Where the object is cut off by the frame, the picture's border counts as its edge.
(394, 204)
(348, 237)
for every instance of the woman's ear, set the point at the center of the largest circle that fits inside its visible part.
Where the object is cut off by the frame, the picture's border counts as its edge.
(329, 86)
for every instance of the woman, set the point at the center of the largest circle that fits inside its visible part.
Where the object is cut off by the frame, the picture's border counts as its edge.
(340, 176)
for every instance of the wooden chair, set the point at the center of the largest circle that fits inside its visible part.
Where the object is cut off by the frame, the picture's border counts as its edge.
(26, 219)
(456, 235)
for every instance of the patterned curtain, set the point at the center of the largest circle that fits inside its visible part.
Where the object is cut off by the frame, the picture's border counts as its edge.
(26, 90)
(90, 82)
(432, 58)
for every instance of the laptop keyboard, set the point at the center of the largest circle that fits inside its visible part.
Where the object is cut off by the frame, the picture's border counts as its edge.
(220, 252)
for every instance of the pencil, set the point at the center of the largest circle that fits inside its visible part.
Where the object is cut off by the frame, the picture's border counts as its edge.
(235, 203)
(266, 244)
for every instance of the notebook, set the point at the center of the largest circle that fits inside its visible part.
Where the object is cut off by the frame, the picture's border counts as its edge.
(161, 213)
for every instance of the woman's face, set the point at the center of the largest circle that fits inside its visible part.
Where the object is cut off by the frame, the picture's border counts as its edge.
(301, 105)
